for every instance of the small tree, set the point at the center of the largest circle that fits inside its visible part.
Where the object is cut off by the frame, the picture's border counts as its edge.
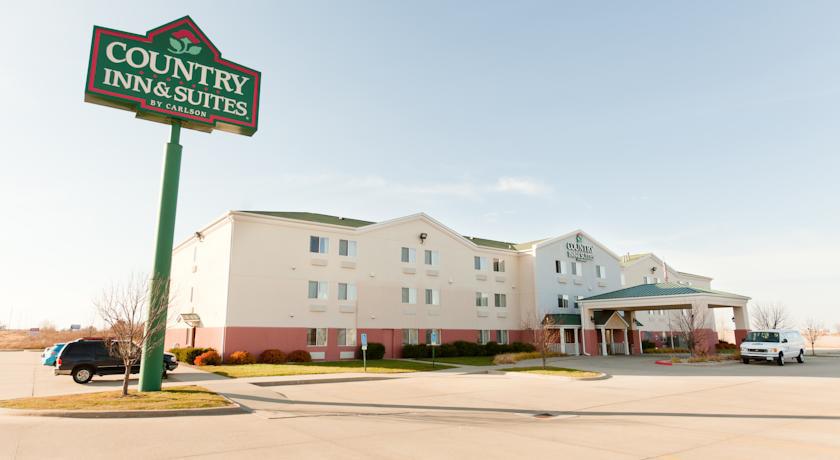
(813, 331)
(691, 324)
(123, 310)
(543, 334)
(769, 316)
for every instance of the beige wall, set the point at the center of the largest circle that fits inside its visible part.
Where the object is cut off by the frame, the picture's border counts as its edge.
(271, 266)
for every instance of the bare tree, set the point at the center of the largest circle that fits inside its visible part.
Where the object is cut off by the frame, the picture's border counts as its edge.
(123, 309)
(769, 316)
(692, 325)
(813, 331)
(543, 334)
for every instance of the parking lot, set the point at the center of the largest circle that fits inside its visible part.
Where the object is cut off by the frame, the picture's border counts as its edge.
(643, 411)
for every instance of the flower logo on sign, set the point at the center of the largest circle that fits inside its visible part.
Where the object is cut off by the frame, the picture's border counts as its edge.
(183, 42)
(579, 238)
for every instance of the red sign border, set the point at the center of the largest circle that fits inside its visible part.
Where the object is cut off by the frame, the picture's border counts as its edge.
(98, 31)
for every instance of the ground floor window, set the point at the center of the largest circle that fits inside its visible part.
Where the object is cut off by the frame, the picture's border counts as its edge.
(346, 337)
(570, 336)
(483, 336)
(429, 336)
(316, 337)
(411, 336)
(502, 337)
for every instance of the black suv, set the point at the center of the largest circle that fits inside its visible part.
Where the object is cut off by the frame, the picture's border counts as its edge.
(84, 358)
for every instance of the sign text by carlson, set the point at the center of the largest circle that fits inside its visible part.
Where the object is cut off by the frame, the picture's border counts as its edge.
(173, 72)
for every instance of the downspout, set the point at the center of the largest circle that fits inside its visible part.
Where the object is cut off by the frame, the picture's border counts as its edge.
(583, 334)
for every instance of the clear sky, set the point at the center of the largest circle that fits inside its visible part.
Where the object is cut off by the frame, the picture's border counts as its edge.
(706, 132)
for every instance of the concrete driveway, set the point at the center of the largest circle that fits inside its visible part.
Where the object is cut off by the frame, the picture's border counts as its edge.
(643, 411)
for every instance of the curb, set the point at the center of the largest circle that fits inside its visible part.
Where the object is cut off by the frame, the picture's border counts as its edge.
(232, 409)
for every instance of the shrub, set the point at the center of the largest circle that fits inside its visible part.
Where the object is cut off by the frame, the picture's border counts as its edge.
(188, 354)
(665, 350)
(411, 351)
(519, 347)
(468, 348)
(241, 357)
(722, 345)
(299, 356)
(491, 349)
(511, 358)
(447, 350)
(648, 344)
(375, 350)
(272, 356)
(208, 358)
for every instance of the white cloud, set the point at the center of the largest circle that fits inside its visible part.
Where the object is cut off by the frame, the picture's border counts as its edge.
(523, 185)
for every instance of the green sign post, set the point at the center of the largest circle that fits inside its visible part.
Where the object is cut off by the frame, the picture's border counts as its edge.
(174, 75)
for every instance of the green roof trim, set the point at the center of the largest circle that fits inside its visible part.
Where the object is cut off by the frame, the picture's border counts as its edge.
(655, 290)
(317, 218)
(491, 243)
(563, 319)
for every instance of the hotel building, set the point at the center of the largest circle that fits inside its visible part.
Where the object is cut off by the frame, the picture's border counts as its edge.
(254, 280)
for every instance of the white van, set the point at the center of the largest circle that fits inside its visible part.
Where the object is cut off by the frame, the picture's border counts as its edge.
(773, 345)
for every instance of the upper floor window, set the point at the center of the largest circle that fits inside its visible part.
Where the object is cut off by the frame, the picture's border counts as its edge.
(498, 265)
(347, 248)
(319, 244)
(432, 297)
(483, 336)
(560, 267)
(409, 295)
(408, 255)
(577, 268)
(432, 258)
(480, 263)
(563, 301)
(577, 300)
(601, 271)
(410, 336)
(481, 299)
(346, 291)
(318, 290)
(500, 300)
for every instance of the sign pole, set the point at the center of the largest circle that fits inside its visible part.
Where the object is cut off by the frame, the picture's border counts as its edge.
(151, 364)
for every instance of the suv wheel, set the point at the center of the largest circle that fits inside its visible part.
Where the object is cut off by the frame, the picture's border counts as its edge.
(82, 374)
(801, 358)
(745, 360)
(781, 359)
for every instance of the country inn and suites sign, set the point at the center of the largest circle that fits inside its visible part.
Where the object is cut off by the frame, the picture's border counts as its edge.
(578, 250)
(174, 72)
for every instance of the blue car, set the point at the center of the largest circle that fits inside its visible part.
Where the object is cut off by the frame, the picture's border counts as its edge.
(50, 354)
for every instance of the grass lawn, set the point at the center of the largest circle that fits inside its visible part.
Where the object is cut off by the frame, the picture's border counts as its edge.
(466, 360)
(380, 366)
(559, 371)
(183, 397)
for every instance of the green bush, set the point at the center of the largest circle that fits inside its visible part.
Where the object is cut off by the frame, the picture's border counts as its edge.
(491, 349)
(522, 347)
(648, 344)
(374, 351)
(188, 354)
(447, 350)
(468, 348)
(411, 351)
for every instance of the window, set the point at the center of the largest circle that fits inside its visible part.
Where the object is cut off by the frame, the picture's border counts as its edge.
(500, 300)
(347, 248)
(577, 268)
(658, 280)
(409, 295)
(570, 336)
(410, 336)
(648, 280)
(432, 258)
(346, 338)
(480, 263)
(429, 336)
(346, 291)
(481, 299)
(560, 267)
(316, 337)
(318, 290)
(498, 265)
(319, 244)
(623, 280)
(502, 337)
(563, 301)
(408, 255)
(577, 300)
(432, 297)
(483, 337)
(601, 271)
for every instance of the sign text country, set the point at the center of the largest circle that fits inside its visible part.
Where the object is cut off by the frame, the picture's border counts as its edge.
(174, 72)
